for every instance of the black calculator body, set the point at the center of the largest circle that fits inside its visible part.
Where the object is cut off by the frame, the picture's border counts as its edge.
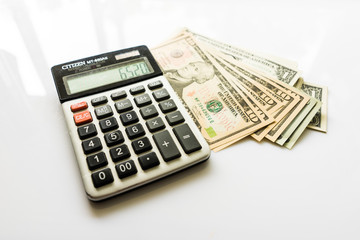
(127, 125)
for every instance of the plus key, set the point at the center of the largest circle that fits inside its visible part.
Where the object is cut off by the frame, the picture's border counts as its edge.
(166, 145)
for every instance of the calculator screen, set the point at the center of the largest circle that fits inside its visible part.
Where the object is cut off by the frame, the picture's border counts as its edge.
(106, 75)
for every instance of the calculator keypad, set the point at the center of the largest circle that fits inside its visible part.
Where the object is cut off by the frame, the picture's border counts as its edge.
(135, 135)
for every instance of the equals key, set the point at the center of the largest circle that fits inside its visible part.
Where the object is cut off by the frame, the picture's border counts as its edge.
(187, 138)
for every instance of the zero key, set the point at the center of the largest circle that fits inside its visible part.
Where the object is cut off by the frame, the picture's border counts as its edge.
(186, 138)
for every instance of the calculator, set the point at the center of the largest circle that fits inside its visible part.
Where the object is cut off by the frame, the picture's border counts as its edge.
(127, 125)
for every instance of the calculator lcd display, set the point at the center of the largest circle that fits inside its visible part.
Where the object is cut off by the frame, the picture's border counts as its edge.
(106, 75)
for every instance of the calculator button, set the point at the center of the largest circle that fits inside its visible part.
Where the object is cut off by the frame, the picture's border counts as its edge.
(142, 100)
(119, 153)
(137, 90)
(167, 106)
(103, 111)
(186, 138)
(154, 85)
(161, 94)
(126, 169)
(82, 118)
(135, 131)
(91, 145)
(148, 112)
(108, 124)
(141, 145)
(129, 118)
(118, 95)
(148, 161)
(87, 131)
(99, 100)
(155, 124)
(123, 106)
(102, 177)
(166, 145)
(96, 161)
(114, 138)
(79, 106)
(174, 118)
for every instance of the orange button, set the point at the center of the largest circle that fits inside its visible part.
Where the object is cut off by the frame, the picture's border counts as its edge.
(78, 106)
(82, 117)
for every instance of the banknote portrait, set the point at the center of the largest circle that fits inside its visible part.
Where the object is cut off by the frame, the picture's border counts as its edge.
(198, 72)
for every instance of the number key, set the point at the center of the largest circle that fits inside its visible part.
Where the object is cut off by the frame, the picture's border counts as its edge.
(102, 177)
(108, 124)
(129, 118)
(114, 138)
(87, 131)
(96, 161)
(91, 145)
(135, 131)
(126, 169)
(119, 153)
(141, 145)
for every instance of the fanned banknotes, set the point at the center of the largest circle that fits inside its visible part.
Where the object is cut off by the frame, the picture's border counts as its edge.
(232, 93)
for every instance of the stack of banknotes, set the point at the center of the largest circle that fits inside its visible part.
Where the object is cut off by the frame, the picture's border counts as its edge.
(232, 93)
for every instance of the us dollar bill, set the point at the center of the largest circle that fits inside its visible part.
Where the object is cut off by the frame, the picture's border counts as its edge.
(259, 63)
(294, 99)
(319, 121)
(221, 113)
(290, 142)
(285, 135)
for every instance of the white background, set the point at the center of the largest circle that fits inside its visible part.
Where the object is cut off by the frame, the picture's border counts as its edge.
(249, 191)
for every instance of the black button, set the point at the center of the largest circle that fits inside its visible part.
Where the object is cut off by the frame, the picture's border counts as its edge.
(119, 153)
(123, 106)
(166, 145)
(129, 118)
(174, 118)
(126, 169)
(155, 124)
(161, 94)
(186, 138)
(118, 95)
(96, 161)
(99, 100)
(148, 161)
(148, 112)
(167, 106)
(87, 131)
(141, 145)
(103, 112)
(108, 124)
(137, 90)
(154, 85)
(114, 138)
(135, 131)
(91, 145)
(102, 177)
(142, 100)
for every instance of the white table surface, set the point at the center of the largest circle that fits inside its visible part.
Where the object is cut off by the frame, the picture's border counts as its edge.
(249, 191)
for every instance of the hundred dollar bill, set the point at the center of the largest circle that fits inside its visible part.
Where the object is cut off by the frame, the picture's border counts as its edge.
(319, 122)
(220, 112)
(261, 64)
(300, 129)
